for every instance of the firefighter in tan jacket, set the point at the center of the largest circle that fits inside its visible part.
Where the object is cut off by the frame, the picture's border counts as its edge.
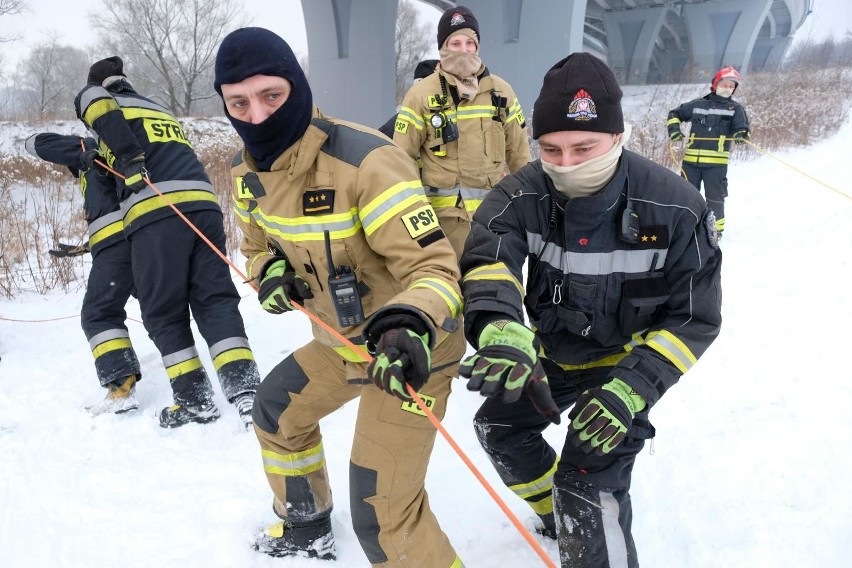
(335, 217)
(465, 125)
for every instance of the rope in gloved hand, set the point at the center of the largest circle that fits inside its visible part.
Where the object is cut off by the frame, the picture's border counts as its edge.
(367, 357)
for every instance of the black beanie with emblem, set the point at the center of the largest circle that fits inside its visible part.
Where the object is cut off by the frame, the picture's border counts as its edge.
(109, 67)
(455, 19)
(579, 93)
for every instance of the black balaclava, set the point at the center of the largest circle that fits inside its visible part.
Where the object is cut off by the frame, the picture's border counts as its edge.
(247, 52)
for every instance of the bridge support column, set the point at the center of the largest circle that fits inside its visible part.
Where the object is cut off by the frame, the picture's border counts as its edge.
(631, 36)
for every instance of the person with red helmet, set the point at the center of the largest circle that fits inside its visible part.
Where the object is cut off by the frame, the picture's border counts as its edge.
(716, 120)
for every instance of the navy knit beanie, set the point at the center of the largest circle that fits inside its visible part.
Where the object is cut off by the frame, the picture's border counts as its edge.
(109, 67)
(579, 93)
(455, 19)
(255, 51)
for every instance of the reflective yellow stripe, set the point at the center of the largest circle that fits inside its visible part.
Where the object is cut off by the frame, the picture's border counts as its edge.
(294, 464)
(457, 563)
(705, 160)
(537, 486)
(99, 108)
(232, 355)
(350, 354)
(673, 121)
(672, 348)
(443, 202)
(450, 297)
(111, 345)
(183, 368)
(392, 202)
(471, 205)
(105, 233)
(497, 271)
(158, 203)
(408, 115)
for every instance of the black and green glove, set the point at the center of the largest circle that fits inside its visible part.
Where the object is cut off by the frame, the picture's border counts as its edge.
(280, 287)
(506, 364)
(135, 173)
(402, 356)
(741, 137)
(675, 134)
(602, 415)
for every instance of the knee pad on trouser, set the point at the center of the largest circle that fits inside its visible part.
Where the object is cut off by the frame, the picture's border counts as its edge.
(593, 526)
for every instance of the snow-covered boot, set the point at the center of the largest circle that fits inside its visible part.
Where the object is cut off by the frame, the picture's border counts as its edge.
(244, 403)
(120, 398)
(312, 539)
(178, 414)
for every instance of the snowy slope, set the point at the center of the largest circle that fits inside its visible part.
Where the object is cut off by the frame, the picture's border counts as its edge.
(748, 467)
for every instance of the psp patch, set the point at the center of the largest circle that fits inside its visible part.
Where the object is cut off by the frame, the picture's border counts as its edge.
(318, 202)
(248, 186)
(411, 406)
(420, 221)
(712, 229)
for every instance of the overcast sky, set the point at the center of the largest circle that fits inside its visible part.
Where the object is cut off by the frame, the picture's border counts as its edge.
(70, 21)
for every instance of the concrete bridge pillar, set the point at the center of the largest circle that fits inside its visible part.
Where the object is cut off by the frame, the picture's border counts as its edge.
(631, 36)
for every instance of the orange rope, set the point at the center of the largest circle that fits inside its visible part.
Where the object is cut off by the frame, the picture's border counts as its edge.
(429, 414)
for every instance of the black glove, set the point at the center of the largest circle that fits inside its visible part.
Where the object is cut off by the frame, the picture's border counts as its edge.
(675, 135)
(279, 286)
(401, 353)
(135, 174)
(63, 250)
(602, 415)
(87, 159)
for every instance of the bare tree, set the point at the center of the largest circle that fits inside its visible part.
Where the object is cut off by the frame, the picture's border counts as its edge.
(170, 45)
(413, 40)
(49, 77)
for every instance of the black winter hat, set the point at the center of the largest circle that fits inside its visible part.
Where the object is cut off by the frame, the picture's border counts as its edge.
(579, 93)
(104, 68)
(425, 68)
(453, 20)
(255, 51)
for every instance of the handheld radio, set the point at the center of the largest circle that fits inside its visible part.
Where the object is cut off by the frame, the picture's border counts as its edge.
(343, 287)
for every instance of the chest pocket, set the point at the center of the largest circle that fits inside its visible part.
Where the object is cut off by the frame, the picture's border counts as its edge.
(563, 304)
(495, 140)
(641, 300)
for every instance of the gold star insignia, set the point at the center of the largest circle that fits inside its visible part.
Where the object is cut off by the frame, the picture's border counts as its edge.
(644, 238)
(653, 237)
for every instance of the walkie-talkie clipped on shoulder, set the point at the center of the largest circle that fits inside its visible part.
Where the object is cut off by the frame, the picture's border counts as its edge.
(343, 287)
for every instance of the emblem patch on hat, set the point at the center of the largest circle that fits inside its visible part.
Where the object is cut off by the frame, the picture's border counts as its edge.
(456, 19)
(582, 107)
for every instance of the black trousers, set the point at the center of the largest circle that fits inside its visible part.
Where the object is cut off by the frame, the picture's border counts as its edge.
(175, 272)
(102, 315)
(715, 180)
(590, 493)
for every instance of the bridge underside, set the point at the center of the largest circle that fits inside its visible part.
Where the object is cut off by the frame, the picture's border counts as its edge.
(351, 42)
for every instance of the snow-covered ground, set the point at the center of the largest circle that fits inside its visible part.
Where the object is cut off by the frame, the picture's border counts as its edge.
(747, 469)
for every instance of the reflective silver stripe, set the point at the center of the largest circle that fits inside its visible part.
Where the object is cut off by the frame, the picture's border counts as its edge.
(616, 547)
(527, 490)
(104, 221)
(478, 111)
(165, 187)
(473, 193)
(719, 111)
(180, 356)
(386, 205)
(408, 114)
(304, 228)
(29, 146)
(440, 192)
(107, 335)
(310, 461)
(672, 348)
(90, 95)
(596, 263)
(139, 103)
(227, 344)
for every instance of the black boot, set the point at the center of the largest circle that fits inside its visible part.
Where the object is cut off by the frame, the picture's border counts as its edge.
(177, 415)
(312, 539)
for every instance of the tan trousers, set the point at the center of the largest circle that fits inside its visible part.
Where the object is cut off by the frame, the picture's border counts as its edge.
(390, 452)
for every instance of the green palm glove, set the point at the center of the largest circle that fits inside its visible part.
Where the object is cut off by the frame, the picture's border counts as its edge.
(602, 415)
(675, 135)
(741, 137)
(507, 365)
(402, 357)
(280, 287)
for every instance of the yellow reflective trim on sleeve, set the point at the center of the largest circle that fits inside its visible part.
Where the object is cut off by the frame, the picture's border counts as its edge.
(99, 108)
(395, 210)
(673, 121)
(131, 113)
(174, 198)
(349, 354)
(672, 348)
(420, 221)
(183, 368)
(294, 464)
(232, 355)
(452, 299)
(497, 271)
(111, 345)
(410, 116)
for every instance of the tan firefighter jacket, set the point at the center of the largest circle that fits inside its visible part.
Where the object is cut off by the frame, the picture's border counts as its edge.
(354, 183)
(491, 137)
